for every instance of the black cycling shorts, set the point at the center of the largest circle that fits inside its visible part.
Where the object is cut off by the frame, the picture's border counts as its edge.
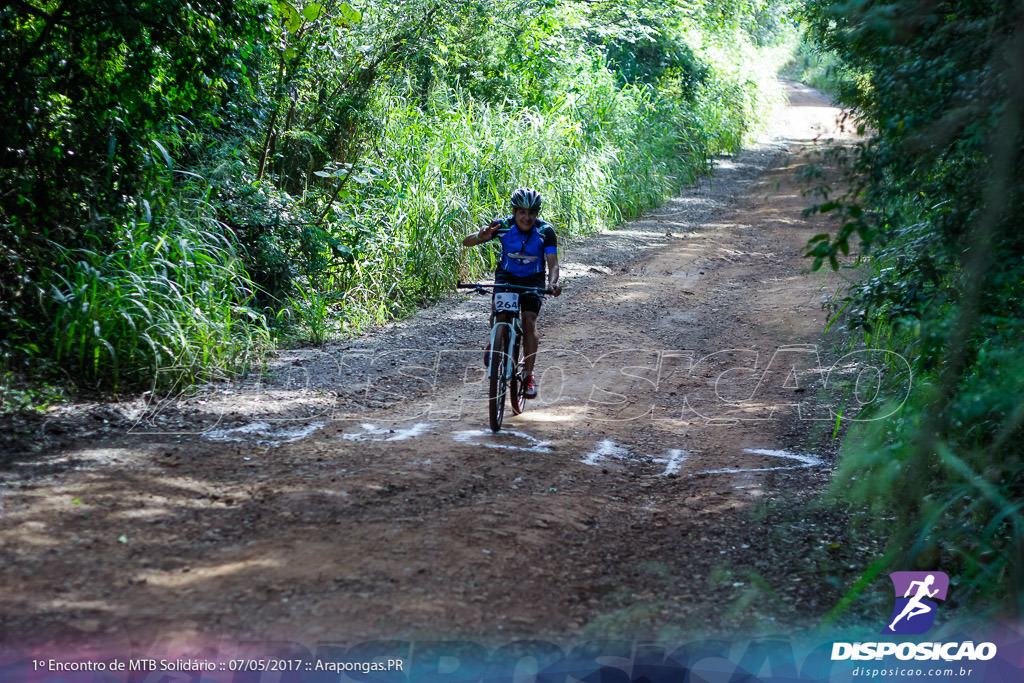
(527, 301)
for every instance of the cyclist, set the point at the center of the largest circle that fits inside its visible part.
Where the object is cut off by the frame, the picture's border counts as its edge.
(529, 249)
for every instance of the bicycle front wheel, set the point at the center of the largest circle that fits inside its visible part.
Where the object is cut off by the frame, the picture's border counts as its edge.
(498, 377)
(516, 396)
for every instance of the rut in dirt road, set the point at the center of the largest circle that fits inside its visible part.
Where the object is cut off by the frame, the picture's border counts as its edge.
(356, 493)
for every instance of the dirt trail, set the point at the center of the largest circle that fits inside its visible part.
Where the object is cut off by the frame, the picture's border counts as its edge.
(659, 486)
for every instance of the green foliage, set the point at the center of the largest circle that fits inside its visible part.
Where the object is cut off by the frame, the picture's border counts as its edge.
(643, 45)
(444, 108)
(166, 304)
(823, 71)
(170, 167)
(15, 397)
(101, 100)
(934, 203)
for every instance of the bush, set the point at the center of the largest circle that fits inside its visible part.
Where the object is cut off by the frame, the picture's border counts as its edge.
(934, 204)
(177, 166)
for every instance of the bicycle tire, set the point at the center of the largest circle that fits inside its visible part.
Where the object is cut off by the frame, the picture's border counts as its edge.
(496, 388)
(516, 396)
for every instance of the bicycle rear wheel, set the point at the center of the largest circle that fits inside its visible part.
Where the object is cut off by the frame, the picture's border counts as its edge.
(498, 370)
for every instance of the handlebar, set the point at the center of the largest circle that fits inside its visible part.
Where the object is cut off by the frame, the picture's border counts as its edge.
(481, 288)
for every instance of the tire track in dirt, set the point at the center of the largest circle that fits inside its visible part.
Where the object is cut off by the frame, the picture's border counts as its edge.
(680, 373)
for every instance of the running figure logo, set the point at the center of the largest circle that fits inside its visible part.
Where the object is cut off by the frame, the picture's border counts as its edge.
(914, 611)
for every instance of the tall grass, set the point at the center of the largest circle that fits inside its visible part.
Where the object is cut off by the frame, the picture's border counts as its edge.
(167, 306)
(600, 154)
(346, 169)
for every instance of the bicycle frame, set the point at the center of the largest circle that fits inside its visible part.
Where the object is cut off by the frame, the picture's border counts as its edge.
(516, 326)
(504, 352)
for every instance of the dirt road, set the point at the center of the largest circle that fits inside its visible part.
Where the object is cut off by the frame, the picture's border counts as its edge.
(663, 483)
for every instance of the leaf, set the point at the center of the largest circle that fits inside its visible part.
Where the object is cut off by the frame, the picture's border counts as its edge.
(313, 11)
(343, 252)
(821, 249)
(163, 151)
(349, 16)
(292, 18)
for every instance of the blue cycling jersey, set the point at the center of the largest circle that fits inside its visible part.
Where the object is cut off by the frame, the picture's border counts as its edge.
(523, 253)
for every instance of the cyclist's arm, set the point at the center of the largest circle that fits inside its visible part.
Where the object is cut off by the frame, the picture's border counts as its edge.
(553, 274)
(482, 235)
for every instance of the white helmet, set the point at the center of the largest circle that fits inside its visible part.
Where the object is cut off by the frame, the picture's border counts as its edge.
(526, 198)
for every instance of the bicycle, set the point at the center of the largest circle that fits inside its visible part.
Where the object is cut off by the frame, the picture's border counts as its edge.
(505, 362)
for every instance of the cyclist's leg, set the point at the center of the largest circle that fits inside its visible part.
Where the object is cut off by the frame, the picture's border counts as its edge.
(530, 344)
(530, 304)
(530, 340)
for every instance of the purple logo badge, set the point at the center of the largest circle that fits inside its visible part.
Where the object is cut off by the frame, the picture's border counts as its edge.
(914, 611)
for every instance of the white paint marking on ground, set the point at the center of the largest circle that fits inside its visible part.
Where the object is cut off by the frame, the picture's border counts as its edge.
(269, 435)
(481, 438)
(227, 434)
(804, 460)
(372, 431)
(808, 460)
(606, 449)
(674, 462)
(368, 431)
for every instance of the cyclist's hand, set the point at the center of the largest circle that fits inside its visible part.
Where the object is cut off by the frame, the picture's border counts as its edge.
(488, 233)
(556, 290)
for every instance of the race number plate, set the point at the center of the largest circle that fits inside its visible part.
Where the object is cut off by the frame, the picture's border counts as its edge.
(506, 301)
